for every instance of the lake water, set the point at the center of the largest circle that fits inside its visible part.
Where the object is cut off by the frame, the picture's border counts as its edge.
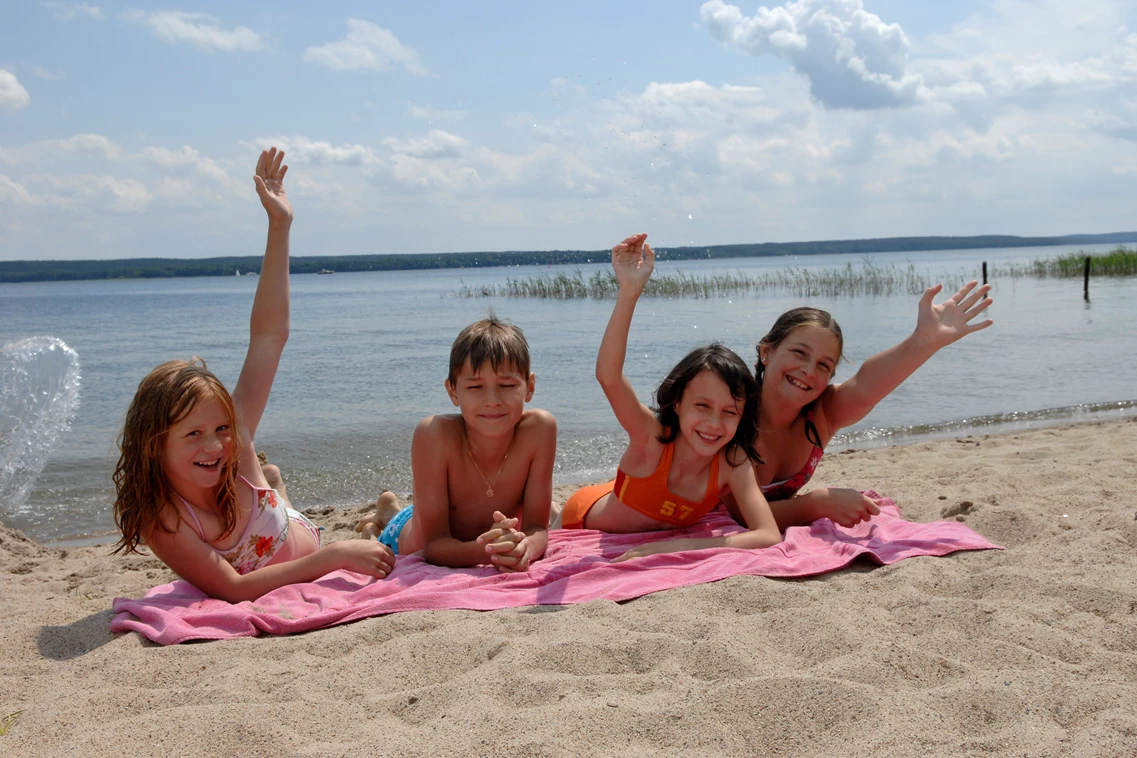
(368, 355)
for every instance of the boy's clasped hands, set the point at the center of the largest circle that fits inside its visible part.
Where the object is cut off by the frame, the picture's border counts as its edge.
(508, 547)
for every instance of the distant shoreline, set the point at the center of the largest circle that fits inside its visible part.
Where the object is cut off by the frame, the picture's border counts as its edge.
(14, 272)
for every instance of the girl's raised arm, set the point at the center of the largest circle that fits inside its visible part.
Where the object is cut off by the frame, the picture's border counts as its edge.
(268, 326)
(633, 261)
(937, 326)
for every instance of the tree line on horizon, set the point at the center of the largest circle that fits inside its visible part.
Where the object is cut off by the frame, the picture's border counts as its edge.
(152, 268)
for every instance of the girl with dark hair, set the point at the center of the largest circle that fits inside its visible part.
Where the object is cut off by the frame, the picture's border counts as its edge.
(189, 485)
(801, 411)
(697, 445)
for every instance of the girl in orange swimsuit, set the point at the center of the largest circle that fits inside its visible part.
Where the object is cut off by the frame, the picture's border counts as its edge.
(801, 411)
(189, 485)
(696, 446)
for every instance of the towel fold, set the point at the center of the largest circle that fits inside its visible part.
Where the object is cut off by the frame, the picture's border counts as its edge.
(576, 568)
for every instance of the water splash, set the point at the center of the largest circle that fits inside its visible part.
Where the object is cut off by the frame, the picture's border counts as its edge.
(39, 394)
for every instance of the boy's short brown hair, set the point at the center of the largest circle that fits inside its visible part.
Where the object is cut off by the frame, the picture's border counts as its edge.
(499, 342)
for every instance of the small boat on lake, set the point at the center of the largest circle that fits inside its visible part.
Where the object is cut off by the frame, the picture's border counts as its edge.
(325, 271)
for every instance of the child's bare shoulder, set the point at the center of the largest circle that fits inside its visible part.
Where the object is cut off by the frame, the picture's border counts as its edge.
(537, 418)
(537, 425)
(537, 430)
(440, 427)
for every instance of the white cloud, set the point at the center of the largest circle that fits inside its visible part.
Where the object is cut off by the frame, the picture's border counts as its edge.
(99, 192)
(81, 144)
(1004, 136)
(850, 56)
(299, 149)
(49, 75)
(67, 11)
(367, 46)
(1121, 124)
(434, 144)
(431, 113)
(13, 96)
(87, 175)
(198, 29)
(12, 191)
(186, 157)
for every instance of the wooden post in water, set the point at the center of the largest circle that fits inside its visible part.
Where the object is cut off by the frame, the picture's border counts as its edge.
(984, 272)
(1086, 281)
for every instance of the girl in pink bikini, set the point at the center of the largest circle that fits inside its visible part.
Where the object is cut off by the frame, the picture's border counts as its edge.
(800, 411)
(189, 485)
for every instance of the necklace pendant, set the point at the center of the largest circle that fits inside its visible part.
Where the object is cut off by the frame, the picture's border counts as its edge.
(489, 492)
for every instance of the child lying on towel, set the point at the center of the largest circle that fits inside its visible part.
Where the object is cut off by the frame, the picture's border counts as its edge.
(483, 477)
(685, 456)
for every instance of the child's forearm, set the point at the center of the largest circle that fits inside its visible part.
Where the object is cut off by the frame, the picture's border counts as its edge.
(538, 542)
(258, 583)
(271, 304)
(453, 553)
(755, 539)
(800, 510)
(614, 345)
(882, 373)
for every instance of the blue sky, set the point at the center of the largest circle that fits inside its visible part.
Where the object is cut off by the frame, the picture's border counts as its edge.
(131, 130)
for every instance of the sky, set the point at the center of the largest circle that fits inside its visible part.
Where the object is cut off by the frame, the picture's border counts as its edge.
(132, 130)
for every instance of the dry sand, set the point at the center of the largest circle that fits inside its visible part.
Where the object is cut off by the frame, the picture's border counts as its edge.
(1027, 651)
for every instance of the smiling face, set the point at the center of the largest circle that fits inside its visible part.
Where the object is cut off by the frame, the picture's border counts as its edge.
(491, 400)
(197, 447)
(800, 367)
(708, 413)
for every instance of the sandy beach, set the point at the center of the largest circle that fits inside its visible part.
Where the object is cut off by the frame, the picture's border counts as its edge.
(1031, 650)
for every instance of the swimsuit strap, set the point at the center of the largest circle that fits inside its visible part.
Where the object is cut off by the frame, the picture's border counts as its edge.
(196, 520)
(713, 481)
(811, 432)
(786, 488)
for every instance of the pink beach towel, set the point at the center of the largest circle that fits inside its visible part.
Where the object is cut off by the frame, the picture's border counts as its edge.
(575, 569)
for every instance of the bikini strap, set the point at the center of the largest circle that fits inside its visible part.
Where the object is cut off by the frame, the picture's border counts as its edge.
(196, 520)
(713, 488)
(811, 432)
(664, 465)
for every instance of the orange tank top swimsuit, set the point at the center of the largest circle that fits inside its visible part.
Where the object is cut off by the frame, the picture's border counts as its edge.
(648, 495)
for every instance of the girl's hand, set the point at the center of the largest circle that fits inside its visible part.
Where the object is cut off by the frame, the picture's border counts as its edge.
(651, 548)
(844, 506)
(633, 261)
(363, 557)
(269, 180)
(949, 321)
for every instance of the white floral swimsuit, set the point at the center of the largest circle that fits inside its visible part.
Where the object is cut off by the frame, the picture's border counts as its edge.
(265, 534)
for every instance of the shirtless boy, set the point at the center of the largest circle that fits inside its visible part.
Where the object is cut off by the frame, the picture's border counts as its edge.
(483, 477)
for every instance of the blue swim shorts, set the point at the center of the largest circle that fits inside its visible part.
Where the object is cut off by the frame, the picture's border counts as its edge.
(390, 534)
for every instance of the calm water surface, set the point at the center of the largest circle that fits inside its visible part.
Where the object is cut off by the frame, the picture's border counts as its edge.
(368, 355)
